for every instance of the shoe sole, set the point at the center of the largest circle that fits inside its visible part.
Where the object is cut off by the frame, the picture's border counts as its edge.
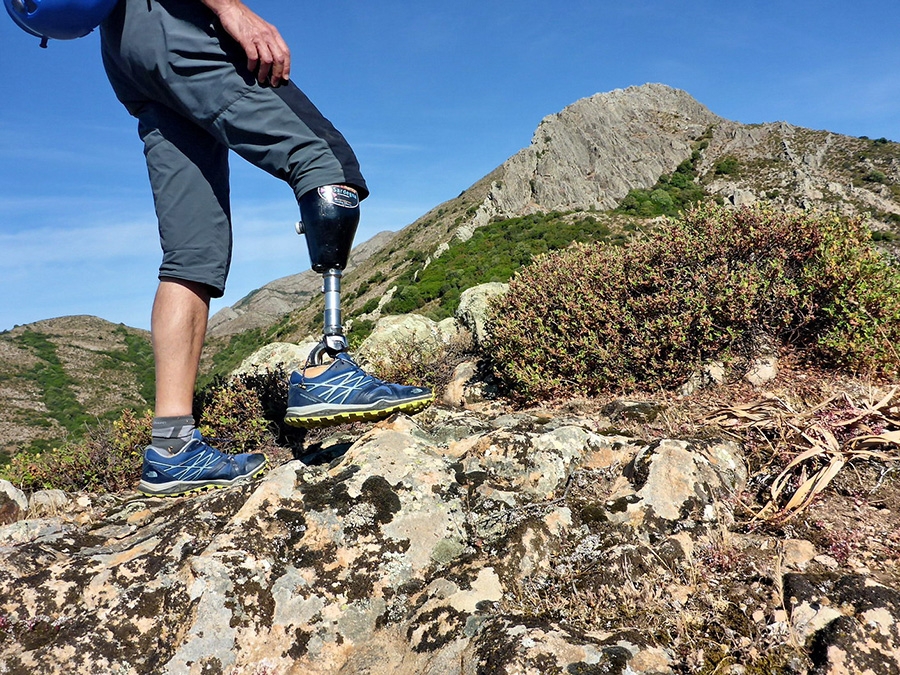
(325, 415)
(181, 489)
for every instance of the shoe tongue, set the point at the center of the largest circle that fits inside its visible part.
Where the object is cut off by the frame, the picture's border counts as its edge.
(196, 437)
(344, 356)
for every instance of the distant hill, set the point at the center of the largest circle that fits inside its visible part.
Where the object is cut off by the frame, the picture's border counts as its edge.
(58, 374)
(586, 162)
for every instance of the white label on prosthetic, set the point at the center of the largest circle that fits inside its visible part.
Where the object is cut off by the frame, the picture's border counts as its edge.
(339, 196)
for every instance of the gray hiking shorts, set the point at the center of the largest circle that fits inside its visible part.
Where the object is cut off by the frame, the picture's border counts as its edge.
(186, 81)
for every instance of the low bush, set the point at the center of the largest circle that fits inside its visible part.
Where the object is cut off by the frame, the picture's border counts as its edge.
(246, 413)
(727, 166)
(107, 459)
(672, 193)
(595, 318)
(232, 417)
(409, 362)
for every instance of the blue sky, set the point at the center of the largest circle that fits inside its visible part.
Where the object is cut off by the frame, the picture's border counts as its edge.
(431, 95)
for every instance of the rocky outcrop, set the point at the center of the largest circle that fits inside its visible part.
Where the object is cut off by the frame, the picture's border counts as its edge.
(458, 543)
(590, 154)
(781, 163)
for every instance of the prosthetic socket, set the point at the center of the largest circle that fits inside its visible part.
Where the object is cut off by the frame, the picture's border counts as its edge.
(329, 217)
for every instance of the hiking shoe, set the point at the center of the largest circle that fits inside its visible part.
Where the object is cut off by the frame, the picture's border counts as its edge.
(197, 467)
(346, 393)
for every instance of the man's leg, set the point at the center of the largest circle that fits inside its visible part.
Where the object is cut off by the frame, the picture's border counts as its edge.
(178, 461)
(189, 174)
(188, 171)
(178, 325)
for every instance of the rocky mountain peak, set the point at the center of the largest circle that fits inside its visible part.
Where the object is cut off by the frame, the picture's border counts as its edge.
(591, 153)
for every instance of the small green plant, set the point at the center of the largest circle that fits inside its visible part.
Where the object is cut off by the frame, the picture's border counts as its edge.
(593, 318)
(884, 235)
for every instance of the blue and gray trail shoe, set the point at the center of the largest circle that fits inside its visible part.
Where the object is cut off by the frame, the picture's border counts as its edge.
(346, 393)
(196, 467)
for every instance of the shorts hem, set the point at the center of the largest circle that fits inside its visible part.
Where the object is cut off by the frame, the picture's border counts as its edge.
(215, 290)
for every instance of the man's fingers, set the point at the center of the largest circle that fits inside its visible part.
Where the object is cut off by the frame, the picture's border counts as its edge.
(266, 61)
(281, 71)
(252, 56)
(268, 56)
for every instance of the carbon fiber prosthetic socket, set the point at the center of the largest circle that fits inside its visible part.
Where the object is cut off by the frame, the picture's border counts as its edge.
(329, 218)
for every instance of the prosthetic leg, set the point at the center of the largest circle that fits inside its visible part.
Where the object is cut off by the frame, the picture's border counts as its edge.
(329, 217)
(343, 392)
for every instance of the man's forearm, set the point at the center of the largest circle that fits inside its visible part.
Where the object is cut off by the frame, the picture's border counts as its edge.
(218, 6)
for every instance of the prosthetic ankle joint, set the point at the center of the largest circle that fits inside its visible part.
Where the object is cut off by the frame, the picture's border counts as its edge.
(329, 217)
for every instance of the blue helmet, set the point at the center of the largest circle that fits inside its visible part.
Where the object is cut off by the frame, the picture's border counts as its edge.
(58, 19)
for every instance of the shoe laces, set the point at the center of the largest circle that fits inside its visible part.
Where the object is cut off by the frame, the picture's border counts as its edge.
(346, 358)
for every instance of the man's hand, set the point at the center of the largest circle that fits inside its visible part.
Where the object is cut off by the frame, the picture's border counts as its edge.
(267, 53)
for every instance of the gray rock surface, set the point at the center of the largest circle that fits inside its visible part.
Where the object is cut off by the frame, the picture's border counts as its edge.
(474, 307)
(457, 543)
(581, 157)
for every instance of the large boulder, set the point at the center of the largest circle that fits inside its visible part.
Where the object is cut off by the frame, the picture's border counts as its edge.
(275, 356)
(474, 307)
(397, 335)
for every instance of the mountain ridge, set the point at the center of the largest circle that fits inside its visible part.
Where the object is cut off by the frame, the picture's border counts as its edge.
(738, 163)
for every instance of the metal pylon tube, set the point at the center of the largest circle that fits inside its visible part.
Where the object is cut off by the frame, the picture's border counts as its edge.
(332, 288)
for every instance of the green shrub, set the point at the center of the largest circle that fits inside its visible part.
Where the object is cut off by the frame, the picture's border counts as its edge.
(360, 330)
(594, 318)
(231, 416)
(672, 193)
(728, 165)
(259, 403)
(370, 306)
(493, 253)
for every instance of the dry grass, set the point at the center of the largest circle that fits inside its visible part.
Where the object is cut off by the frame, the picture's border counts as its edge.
(823, 440)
